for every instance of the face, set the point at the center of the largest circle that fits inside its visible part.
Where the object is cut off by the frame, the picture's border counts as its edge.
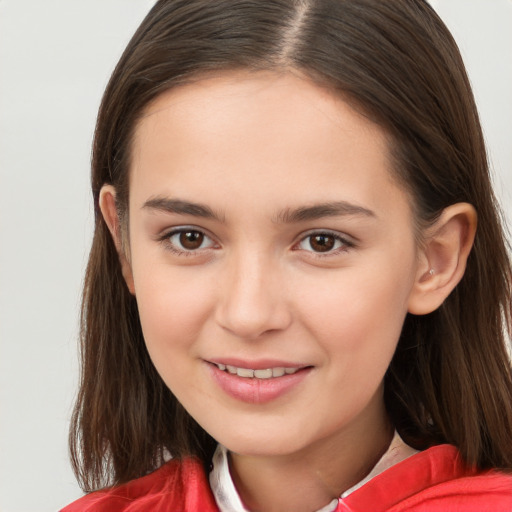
(272, 256)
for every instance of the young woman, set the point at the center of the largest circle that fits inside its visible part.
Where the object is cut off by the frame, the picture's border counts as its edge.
(299, 288)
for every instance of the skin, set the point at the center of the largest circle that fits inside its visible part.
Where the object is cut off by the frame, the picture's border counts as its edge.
(253, 149)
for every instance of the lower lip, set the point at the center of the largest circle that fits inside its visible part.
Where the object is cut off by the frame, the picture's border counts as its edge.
(256, 391)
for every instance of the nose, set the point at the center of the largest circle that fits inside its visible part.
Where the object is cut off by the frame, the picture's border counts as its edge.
(253, 299)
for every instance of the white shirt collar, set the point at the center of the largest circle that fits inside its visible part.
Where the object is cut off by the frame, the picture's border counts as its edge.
(227, 497)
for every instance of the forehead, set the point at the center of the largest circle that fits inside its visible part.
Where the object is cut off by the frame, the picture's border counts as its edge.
(254, 96)
(245, 132)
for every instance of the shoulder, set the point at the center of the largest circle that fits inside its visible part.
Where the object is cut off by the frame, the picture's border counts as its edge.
(434, 480)
(177, 485)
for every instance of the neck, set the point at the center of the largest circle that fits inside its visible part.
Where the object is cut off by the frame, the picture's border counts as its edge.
(312, 477)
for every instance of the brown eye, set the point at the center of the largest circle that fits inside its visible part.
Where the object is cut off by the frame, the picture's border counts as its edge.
(191, 240)
(186, 240)
(322, 243)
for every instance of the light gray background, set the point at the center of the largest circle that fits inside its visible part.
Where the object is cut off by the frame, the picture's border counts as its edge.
(55, 59)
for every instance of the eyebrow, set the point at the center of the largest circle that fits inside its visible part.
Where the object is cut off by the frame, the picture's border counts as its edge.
(286, 216)
(318, 211)
(182, 207)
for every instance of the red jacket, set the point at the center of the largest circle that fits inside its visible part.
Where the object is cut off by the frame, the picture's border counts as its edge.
(431, 481)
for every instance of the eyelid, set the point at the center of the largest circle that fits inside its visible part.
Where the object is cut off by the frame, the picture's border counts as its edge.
(348, 242)
(164, 239)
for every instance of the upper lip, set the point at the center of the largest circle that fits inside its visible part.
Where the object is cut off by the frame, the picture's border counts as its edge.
(259, 364)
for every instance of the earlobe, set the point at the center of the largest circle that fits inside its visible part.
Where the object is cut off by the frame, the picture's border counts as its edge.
(443, 258)
(107, 203)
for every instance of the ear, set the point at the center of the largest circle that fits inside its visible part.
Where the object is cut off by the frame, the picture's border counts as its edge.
(443, 258)
(107, 203)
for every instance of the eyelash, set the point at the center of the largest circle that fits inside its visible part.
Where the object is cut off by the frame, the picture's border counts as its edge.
(165, 239)
(344, 246)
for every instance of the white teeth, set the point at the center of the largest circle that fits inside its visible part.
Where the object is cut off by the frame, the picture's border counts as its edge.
(278, 372)
(245, 372)
(248, 373)
(263, 374)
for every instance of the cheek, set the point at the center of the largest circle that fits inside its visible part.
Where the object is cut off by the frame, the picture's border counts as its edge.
(358, 317)
(173, 309)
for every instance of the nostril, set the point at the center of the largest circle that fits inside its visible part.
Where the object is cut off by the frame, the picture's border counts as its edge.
(252, 301)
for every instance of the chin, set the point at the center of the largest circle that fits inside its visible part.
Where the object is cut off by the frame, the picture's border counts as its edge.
(260, 442)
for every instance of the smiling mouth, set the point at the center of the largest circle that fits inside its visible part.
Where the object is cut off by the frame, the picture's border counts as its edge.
(248, 373)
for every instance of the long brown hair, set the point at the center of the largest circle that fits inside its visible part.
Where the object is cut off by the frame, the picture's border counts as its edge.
(395, 61)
